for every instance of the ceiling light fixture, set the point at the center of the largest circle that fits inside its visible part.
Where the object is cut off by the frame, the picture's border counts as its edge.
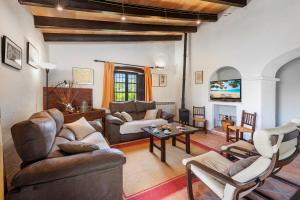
(198, 20)
(59, 6)
(123, 18)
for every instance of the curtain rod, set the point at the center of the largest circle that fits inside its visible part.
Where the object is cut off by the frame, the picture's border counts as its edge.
(130, 65)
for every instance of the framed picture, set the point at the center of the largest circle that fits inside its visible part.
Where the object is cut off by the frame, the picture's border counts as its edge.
(32, 55)
(199, 77)
(83, 76)
(162, 80)
(11, 53)
(155, 80)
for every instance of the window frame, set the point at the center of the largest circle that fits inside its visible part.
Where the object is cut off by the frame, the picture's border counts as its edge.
(126, 92)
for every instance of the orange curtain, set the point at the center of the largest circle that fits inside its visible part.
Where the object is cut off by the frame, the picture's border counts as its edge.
(108, 84)
(148, 84)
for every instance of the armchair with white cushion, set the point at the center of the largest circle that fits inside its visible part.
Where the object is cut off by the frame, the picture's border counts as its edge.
(231, 181)
(243, 149)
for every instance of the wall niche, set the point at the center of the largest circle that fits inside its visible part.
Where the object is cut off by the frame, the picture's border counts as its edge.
(225, 85)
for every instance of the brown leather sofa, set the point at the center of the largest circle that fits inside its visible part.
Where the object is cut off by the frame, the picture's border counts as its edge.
(137, 109)
(48, 174)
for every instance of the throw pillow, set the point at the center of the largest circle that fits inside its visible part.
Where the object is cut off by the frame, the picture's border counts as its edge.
(241, 165)
(159, 111)
(77, 147)
(120, 116)
(151, 114)
(127, 117)
(81, 128)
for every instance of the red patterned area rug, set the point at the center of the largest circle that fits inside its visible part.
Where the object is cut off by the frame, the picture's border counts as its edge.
(147, 178)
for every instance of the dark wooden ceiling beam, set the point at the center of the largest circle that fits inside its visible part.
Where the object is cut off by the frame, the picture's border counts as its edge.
(116, 7)
(237, 3)
(65, 23)
(57, 37)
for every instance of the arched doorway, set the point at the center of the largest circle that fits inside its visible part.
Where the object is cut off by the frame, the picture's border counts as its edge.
(269, 85)
(288, 92)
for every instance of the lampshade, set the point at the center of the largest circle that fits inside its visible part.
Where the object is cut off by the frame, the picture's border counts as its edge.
(45, 65)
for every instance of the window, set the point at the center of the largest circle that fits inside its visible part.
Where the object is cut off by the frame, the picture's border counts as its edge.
(125, 86)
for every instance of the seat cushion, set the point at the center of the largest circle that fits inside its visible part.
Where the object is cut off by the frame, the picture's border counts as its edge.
(242, 144)
(241, 129)
(81, 128)
(199, 119)
(137, 125)
(216, 162)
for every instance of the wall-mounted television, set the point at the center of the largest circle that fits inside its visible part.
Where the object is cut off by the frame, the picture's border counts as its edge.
(226, 90)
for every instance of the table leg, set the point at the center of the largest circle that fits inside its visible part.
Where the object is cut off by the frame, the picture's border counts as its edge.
(187, 143)
(174, 141)
(163, 150)
(237, 135)
(151, 143)
(241, 136)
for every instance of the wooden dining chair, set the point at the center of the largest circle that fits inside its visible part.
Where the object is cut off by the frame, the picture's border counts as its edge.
(248, 119)
(199, 117)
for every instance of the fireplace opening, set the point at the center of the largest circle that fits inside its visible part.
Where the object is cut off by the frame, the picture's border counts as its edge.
(224, 115)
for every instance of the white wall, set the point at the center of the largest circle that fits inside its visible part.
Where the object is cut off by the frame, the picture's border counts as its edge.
(288, 92)
(69, 55)
(21, 91)
(248, 39)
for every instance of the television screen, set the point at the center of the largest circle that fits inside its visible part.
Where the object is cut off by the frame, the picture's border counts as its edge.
(226, 90)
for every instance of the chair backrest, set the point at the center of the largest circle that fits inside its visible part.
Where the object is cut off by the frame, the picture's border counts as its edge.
(269, 143)
(248, 119)
(260, 169)
(290, 147)
(199, 111)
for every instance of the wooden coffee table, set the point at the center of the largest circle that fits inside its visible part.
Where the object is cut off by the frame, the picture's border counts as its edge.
(173, 134)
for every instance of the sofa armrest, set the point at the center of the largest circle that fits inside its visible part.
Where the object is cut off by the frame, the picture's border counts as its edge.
(167, 116)
(113, 120)
(68, 166)
(97, 125)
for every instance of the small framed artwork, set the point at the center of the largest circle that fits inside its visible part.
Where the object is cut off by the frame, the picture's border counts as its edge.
(11, 53)
(199, 77)
(83, 76)
(162, 80)
(155, 80)
(32, 55)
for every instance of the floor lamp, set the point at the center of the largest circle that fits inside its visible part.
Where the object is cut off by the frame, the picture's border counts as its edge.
(47, 67)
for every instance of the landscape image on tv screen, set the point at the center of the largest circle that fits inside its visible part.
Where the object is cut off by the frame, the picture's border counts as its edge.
(229, 89)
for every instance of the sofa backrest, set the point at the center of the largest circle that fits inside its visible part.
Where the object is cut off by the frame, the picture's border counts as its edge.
(136, 109)
(142, 107)
(128, 106)
(58, 117)
(34, 137)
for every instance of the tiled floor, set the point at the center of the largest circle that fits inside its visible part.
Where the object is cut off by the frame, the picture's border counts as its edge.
(272, 187)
